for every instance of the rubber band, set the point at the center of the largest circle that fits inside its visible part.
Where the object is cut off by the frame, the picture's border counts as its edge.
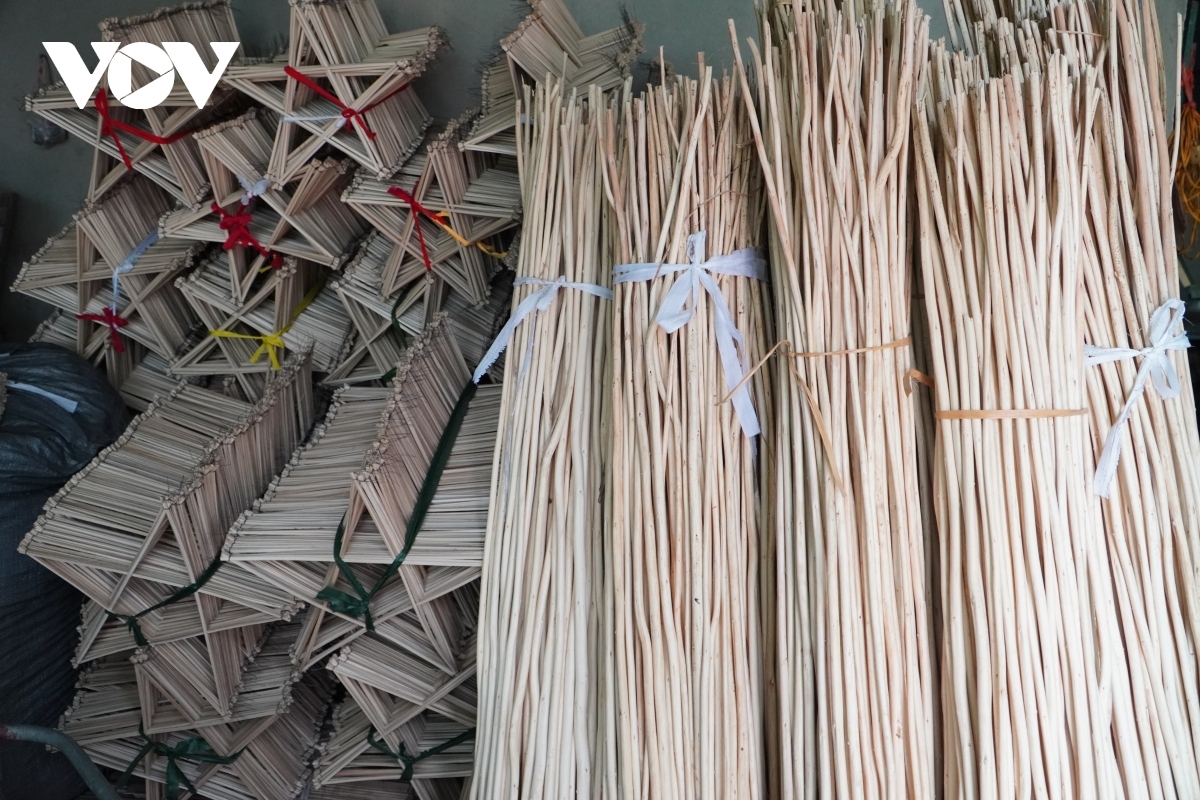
(1010, 413)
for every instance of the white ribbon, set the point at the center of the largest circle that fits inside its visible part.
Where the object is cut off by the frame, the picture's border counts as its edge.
(1156, 365)
(539, 301)
(253, 190)
(66, 405)
(127, 265)
(673, 314)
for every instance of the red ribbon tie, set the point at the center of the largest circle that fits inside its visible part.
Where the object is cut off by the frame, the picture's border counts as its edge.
(113, 321)
(349, 114)
(237, 227)
(110, 126)
(415, 205)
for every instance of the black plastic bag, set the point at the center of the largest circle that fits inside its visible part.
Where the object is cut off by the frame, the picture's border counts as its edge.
(59, 411)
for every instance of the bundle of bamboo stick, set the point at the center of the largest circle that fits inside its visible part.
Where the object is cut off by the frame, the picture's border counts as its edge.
(155, 142)
(682, 624)
(548, 44)
(345, 81)
(539, 649)
(1037, 690)
(852, 642)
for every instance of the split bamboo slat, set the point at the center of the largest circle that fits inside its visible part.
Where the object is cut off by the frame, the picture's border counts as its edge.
(149, 514)
(175, 166)
(852, 650)
(548, 43)
(273, 752)
(539, 632)
(476, 197)
(375, 440)
(365, 107)
(682, 622)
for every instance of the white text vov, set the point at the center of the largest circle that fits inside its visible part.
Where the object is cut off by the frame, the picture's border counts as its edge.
(172, 57)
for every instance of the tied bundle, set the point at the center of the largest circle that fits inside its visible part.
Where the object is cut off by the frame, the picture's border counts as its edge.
(541, 584)
(852, 642)
(682, 627)
(1035, 684)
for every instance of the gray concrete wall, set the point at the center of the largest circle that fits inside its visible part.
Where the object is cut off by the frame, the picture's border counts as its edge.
(50, 184)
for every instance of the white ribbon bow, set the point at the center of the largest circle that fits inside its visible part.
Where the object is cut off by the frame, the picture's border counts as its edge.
(673, 314)
(253, 190)
(127, 265)
(539, 301)
(1156, 365)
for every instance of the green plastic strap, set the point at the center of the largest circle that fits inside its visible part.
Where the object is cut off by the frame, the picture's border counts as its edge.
(131, 620)
(195, 750)
(410, 761)
(358, 605)
(400, 334)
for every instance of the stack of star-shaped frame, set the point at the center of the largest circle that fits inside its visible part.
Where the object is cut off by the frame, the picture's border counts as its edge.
(146, 140)
(379, 340)
(148, 516)
(259, 218)
(111, 245)
(548, 42)
(446, 210)
(271, 734)
(290, 309)
(413, 674)
(345, 82)
(364, 464)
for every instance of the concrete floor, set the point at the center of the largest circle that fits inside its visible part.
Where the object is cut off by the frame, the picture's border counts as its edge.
(50, 184)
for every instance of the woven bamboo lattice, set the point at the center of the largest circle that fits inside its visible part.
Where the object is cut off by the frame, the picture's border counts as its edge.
(365, 106)
(444, 210)
(548, 42)
(148, 516)
(274, 750)
(384, 323)
(143, 140)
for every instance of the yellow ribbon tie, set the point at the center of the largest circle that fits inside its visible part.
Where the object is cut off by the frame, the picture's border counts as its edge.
(272, 343)
(464, 242)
